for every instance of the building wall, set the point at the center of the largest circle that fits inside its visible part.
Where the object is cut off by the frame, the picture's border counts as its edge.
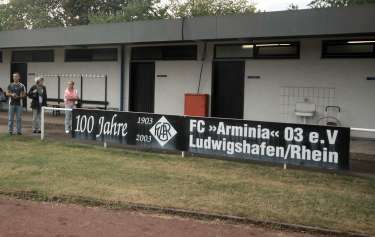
(345, 78)
(93, 88)
(5, 69)
(182, 77)
(282, 83)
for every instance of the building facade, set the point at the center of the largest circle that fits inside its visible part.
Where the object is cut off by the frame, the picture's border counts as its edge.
(254, 67)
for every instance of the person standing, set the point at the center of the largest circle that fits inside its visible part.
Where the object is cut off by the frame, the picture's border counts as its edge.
(38, 94)
(70, 99)
(16, 92)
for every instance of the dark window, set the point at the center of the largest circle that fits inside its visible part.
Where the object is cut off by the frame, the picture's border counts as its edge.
(258, 51)
(178, 52)
(147, 53)
(1, 57)
(89, 55)
(33, 56)
(234, 51)
(278, 50)
(348, 49)
(185, 52)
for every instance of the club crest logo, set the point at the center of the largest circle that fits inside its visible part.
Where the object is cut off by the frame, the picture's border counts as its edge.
(163, 131)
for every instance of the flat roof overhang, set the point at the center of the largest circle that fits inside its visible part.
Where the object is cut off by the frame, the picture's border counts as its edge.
(328, 22)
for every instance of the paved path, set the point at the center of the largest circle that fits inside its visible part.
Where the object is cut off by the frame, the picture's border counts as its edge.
(31, 219)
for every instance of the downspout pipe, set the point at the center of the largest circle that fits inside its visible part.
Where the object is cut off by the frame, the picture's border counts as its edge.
(122, 77)
(183, 29)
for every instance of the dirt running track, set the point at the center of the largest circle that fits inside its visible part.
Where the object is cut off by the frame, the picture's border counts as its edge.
(31, 219)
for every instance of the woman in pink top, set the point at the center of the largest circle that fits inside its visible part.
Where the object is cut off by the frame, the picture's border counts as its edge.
(70, 99)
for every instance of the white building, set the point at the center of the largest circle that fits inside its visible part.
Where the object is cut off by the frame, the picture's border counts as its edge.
(253, 67)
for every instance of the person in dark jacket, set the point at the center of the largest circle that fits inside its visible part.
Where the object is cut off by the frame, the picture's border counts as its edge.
(38, 94)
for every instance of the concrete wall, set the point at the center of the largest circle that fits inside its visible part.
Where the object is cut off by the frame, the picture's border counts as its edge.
(93, 88)
(5, 69)
(324, 82)
(346, 77)
(182, 77)
(339, 82)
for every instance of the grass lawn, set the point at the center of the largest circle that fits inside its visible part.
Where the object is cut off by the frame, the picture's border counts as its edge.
(326, 200)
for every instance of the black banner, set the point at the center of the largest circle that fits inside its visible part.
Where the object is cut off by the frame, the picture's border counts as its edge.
(139, 129)
(297, 144)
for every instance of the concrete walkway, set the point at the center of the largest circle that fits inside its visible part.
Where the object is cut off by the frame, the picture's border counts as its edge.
(362, 147)
(29, 219)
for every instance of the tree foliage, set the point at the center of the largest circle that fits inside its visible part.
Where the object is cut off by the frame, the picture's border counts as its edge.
(8, 20)
(293, 7)
(131, 10)
(30, 14)
(27, 14)
(191, 8)
(22, 14)
(338, 3)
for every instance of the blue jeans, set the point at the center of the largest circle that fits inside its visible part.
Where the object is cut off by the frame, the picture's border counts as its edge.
(15, 109)
(36, 119)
